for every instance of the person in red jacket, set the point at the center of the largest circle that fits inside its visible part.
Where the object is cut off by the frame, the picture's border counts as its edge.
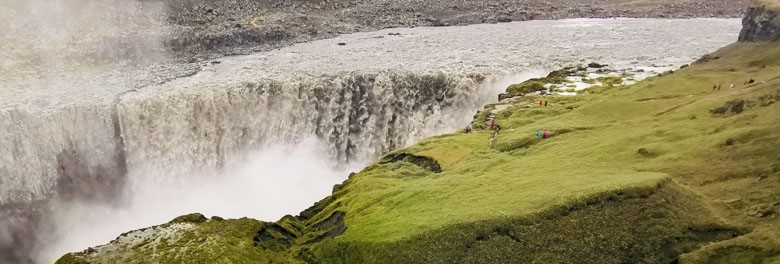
(545, 134)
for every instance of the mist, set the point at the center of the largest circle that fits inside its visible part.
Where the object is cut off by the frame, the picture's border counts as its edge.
(266, 184)
(55, 53)
(58, 35)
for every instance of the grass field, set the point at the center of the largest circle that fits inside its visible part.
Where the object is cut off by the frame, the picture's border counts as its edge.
(644, 173)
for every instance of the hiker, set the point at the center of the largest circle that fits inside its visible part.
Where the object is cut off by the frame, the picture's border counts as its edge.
(540, 102)
(545, 103)
(732, 86)
(492, 123)
(718, 87)
(538, 133)
(545, 134)
(714, 87)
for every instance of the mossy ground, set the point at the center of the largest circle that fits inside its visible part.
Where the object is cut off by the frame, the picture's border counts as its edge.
(636, 173)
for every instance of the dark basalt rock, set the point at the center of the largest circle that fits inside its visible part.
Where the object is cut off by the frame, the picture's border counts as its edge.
(761, 23)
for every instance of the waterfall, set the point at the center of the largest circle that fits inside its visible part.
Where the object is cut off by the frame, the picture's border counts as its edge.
(356, 115)
(57, 152)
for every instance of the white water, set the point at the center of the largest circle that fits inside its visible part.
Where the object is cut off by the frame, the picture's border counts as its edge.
(236, 139)
(266, 184)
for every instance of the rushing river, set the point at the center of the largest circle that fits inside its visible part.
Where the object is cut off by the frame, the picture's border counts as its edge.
(106, 148)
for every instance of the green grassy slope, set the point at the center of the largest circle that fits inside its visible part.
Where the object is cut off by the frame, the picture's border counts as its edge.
(632, 174)
(594, 150)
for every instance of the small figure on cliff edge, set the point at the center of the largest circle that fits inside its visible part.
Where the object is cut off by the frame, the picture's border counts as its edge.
(469, 128)
(545, 103)
(492, 123)
(545, 134)
(538, 133)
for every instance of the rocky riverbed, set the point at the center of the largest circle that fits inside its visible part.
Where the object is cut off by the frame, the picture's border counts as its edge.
(210, 28)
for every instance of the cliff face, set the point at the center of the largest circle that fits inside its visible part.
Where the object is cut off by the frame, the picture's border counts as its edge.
(762, 22)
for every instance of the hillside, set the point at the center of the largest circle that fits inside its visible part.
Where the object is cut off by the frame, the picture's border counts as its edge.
(666, 169)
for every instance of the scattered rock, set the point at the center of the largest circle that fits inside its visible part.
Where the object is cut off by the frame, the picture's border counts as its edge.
(240, 26)
(706, 58)
(596, 65)
(644, 152)
(342, 44)
(760, 210)
(504, 20)
(195, 218)
(732, 107)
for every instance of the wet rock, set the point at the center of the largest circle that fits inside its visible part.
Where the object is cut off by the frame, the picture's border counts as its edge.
(596, 65)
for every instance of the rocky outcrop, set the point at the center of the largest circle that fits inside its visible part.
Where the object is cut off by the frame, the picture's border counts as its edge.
(762, 22)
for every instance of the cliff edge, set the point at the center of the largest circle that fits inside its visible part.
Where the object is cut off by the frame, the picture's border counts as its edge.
(762, 22)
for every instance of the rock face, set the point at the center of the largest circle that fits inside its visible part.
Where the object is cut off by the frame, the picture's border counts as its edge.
(762, 22)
